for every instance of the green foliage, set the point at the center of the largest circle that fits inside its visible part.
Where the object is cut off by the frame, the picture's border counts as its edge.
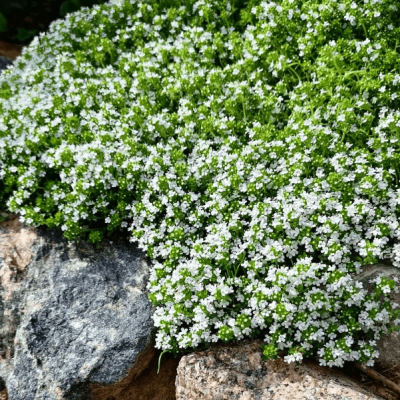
(9, 8)
(251, 149)
(3, 218)
(24, 34)
(69, 6)
(3, 23)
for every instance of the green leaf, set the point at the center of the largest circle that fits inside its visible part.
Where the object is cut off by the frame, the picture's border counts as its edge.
(69, 6)
(3, 218)
(159, 360)
(24, 34)
(3, 23)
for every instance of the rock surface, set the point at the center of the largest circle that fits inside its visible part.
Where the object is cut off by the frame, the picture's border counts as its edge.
(389, 345)
(75, 322)
(238, 372)
(4, 63)
(10, 51)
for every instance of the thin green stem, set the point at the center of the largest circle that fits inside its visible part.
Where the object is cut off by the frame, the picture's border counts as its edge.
(295, 73)
(365, 29)
(344, 134)
(338, 69)
(159, 360)
(93, 229)
(222, 65)
(355, 72)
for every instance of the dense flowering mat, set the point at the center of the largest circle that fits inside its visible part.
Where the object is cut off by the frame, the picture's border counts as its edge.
(251, 148)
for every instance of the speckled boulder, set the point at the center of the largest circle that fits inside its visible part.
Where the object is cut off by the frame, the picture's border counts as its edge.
(75, 322)
(237, 372)
(389, 345)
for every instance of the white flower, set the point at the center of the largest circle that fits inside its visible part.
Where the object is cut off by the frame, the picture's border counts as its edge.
(223, 174)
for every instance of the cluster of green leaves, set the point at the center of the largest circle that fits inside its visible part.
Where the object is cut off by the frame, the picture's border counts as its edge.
(251, 149)
(70, 6)
(3, 23)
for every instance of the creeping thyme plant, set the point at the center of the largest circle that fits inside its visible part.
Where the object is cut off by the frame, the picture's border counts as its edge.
(251, 148)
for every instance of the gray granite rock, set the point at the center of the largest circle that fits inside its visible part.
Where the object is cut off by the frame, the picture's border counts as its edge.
(71, 316)
(4, 63)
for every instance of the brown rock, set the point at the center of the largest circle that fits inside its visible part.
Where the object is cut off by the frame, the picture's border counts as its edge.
(15, 242)
(12, 51)
(3, 395)
(237, 372)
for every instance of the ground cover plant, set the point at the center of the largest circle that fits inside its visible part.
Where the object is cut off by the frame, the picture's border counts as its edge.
(250, 148)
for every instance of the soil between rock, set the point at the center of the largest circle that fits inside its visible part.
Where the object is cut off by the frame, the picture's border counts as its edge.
(148, 385)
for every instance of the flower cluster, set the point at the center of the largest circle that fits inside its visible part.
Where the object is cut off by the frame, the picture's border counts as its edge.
(251, 149)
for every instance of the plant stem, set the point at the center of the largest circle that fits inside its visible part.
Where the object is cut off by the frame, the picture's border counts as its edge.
(365, 29)
(159, 360)
(295, 73)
